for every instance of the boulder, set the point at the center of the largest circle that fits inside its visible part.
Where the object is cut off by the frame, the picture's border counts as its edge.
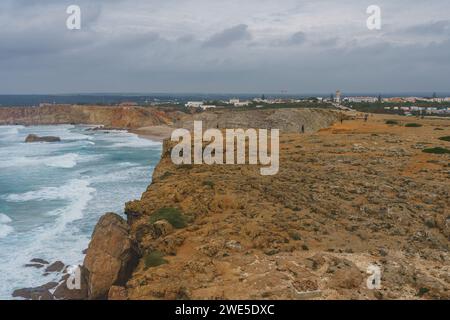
(38, 293)
(34, 265)
(57, 266)
(111, 256)
(162, 228)
(63, 292)
(38, 260)
(35, 138)
(118, 293)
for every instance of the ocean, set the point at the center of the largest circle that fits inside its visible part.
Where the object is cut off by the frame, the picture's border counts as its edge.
(52, 194)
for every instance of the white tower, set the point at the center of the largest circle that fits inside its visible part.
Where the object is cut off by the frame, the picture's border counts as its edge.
(338, 96)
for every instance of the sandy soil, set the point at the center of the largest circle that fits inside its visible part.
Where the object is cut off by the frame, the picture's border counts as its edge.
(155, 133)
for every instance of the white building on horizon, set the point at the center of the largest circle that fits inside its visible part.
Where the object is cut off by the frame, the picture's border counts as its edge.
(194, 104)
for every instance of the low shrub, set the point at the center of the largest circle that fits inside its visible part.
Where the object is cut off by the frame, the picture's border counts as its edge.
(422, 291)
(154, 259)
(208, 183)
(413, 125)
(172, 215)
(391, 122)
(446, 138)
(295, 235)
(437, 150)
(165, 175)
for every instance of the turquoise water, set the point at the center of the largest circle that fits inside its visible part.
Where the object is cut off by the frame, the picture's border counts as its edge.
(52, 194)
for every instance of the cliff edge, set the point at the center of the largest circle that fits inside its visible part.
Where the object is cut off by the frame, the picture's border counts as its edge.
(346, 199)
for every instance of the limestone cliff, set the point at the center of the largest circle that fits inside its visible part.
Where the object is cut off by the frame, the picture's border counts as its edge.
(113, 117)
(346, 198)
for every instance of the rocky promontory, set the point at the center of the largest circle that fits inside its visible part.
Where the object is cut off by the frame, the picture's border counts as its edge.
(34, 138)
(349, 197)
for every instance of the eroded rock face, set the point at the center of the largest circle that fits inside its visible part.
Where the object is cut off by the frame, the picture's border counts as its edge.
(111, 256)
(117, 293)
(34, 138)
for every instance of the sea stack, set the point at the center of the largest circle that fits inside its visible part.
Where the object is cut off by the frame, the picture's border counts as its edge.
(34, 138)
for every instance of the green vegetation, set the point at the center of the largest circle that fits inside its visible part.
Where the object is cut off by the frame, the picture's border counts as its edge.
(378, 107)
(154, 259)
(423, 291)
(208, 183)
(172, 215)
(437, 150)
(165, 175)
(391, 122)
(295, 235)
(285, 105)
(413, 125)
(446, 138)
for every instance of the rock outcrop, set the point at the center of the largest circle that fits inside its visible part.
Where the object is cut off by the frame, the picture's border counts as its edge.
(34, 138)
(286, 120)
(356, 195)
(112, 117)
(133, 118)
(111, 256)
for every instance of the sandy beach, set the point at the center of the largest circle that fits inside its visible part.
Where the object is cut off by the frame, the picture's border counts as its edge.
(155, 133)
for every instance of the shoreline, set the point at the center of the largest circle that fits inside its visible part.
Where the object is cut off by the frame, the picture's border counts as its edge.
(154, 133)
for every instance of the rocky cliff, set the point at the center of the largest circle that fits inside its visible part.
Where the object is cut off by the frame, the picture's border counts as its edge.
(287, 120)
(113, 117)
(158, 123)
(347, 198)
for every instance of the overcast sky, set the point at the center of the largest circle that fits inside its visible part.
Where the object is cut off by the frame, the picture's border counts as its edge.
(232, 46)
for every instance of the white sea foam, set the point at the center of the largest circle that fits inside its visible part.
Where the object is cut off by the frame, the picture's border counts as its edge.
(9, 133)
(4, 218)
(121, 139)
(55, 222)
(68, 160)
(5, 229)
(80, 193)
(72, 189)
(136, 142)
(132, 173)
(65, 161)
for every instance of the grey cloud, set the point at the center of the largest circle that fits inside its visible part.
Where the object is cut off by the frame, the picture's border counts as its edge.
(328, 42)
(145, 46)
(432, 28)
(228, 36)
(297, 38)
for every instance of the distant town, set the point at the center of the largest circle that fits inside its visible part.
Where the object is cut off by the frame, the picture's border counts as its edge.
(399, 105)
(414, 105)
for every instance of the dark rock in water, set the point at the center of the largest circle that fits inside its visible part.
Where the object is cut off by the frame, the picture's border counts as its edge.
(34, 265)
(111, 257)
(35, 138)
(84, 251)
(63, 292)
(57, 266)
(38, 260)
(38, 293)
